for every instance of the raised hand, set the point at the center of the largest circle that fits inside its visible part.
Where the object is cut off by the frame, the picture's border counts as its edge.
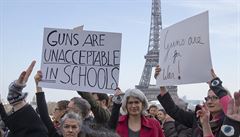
(23, 78)
(203, 114)
(117, 98)
(38, 78)
(157, 71)
(118, 91)
(233, 110)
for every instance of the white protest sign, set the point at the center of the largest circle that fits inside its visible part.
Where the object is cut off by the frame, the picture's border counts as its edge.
(80, 60)
(184, 54)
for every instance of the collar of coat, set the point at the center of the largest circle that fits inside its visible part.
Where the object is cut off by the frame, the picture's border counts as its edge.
(145, 121)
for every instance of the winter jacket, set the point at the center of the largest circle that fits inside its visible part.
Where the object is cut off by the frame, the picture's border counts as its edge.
(189, 118)
(169, 129)
(24, 122)
(150, 127)
(182, 130)
(43, 112)
(230, 128)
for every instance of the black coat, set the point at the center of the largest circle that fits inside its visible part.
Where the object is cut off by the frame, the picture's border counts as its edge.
(43, 112)
(230, 128)
(169, 129)
(187, 118)
(24, 123)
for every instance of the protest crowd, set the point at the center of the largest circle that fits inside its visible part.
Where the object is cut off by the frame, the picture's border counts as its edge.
(126, 115)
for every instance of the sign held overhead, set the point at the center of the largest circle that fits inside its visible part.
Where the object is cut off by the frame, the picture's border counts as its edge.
(184, 55)
(80, 60)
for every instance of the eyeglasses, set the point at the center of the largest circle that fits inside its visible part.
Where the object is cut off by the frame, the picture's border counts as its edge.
(212, 98)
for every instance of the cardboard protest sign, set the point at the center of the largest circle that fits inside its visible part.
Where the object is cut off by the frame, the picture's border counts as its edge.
(80, 60)
(184, 54)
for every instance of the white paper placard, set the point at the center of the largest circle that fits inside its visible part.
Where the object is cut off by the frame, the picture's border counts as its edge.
(81, 60)
(184, 54)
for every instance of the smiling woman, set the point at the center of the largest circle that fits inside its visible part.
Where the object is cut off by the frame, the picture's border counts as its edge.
(135, 104)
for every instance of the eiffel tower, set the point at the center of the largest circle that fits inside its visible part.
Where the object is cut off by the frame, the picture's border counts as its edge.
(152, 58)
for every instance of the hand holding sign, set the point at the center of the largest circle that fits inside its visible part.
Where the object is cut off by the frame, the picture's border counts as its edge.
(157, 71)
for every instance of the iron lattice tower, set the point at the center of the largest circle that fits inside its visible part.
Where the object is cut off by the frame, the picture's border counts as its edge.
(152, 56)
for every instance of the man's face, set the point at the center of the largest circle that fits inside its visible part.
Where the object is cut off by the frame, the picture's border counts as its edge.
(70, 128)
(72, 107)
(101, 103)
(213, 102)
(134, 106)
(58, 113)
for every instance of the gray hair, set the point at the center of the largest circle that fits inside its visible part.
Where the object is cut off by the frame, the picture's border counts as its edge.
(136, 93)
(83, 105)
(71, 115)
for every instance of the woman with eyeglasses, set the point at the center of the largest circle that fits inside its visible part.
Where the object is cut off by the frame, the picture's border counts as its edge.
(231, 123)
(59, 112)
(217, 100)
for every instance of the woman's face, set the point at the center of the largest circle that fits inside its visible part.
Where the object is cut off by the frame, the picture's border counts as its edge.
(134, 106)
(153, 111)
(160, 115)
(70, 128)
(213, 102)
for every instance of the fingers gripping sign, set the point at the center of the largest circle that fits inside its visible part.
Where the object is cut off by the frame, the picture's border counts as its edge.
(38, 77)
(157, 71)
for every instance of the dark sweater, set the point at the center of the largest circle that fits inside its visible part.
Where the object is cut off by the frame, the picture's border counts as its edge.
(24, 123)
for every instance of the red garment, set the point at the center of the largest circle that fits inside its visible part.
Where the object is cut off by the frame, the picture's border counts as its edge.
(150, 127)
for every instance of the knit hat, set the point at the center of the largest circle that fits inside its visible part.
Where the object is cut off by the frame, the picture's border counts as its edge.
(15, 93)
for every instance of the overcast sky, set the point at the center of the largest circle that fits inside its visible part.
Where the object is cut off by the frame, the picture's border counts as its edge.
(22, 23)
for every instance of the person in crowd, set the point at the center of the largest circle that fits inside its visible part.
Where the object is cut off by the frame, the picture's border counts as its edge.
(168, 124)
(70, 125)
(152, 110)
(172, 127)
(22, 120)
(99, 108)
(117, 103)
(110, 103)
(59, 112)
(77, 105)
(162, 116)
(217, 101)
(231, 123)
(82, 107)
(135, 123)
